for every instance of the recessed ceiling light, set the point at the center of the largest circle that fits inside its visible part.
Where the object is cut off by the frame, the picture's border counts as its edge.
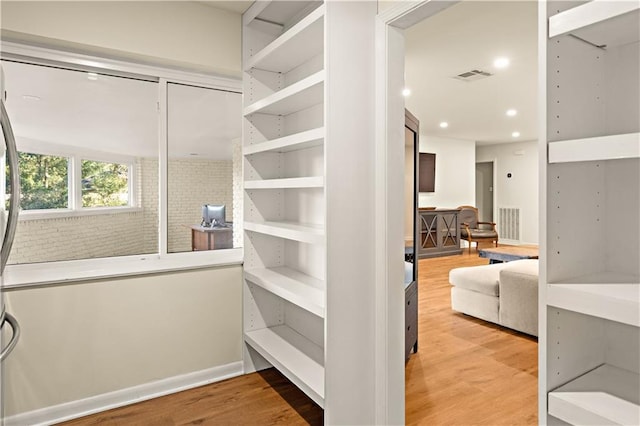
(512, 112)
(92, 76)
(444, 125)
(501, 62)
(515, 134)
(193, 154)
(31, 98)
(406, 92)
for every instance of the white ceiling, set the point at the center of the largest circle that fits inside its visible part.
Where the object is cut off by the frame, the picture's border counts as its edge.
(118, 115)
(468, 36)
(115, 114)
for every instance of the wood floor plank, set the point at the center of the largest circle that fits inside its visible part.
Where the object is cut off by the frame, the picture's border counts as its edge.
(466, 372)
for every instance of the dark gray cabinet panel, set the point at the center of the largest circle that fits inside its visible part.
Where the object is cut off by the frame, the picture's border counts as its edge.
(411, 319)
(439, 233)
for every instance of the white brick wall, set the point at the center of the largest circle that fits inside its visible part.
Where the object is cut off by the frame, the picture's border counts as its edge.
(192, 183)
(79, 237)
(148, 198)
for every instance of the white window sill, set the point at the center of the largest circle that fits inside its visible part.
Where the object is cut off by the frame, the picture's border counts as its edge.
(55, 273)
(62, 213)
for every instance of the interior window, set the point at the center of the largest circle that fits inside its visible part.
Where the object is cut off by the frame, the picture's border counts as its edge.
(204, 126)
(88, 148)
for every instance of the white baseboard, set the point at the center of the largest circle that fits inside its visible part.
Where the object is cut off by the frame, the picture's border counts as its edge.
(509, 242)
(122, 397)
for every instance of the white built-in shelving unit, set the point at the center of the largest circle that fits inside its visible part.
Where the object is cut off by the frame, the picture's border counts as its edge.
(590, 271)
(284, 167)
(313, 306)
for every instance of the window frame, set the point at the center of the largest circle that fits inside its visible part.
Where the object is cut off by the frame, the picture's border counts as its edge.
(53, 273)
(74, 177)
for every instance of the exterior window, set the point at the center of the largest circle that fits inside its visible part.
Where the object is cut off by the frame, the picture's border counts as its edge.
(104, 184)
(44, 181)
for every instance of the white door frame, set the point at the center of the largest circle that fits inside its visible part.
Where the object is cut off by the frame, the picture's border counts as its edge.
(389, 202)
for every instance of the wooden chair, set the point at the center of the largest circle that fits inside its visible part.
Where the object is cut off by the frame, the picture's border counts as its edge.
(473, 230)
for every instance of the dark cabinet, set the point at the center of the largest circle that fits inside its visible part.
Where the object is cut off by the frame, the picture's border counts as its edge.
(438, 233)
(411, 319)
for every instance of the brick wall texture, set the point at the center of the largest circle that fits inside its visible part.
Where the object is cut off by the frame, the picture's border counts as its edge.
(192, 182)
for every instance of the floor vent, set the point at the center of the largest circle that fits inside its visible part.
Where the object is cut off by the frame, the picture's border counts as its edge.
(509, 223)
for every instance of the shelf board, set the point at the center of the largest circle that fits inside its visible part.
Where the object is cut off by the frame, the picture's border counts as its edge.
(588, 14)
(615, 297)
(277, 13)
(605, 395)
(298, 96)
(295, 356)
(297, 141)
(287, 183)
(598, 148)
(305, 233)
(300, 289)
(300, 43)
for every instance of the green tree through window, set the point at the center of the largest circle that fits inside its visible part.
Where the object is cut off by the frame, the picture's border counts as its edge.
(43, 181)
(104, 184)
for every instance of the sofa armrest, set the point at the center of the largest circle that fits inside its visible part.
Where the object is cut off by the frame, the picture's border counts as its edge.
(519, 296)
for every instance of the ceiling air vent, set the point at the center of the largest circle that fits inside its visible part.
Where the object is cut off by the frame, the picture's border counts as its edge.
(472, 75)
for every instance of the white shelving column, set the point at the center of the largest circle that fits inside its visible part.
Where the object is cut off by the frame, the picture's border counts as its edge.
(590, 277)
(285, 258)
(309, 293)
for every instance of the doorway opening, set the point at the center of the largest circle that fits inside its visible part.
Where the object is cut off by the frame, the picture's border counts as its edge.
(484, 191)
(450, 127)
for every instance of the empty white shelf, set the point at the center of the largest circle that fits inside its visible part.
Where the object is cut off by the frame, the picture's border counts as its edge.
(301, 182)
(277, 13)
(305, 233)
(298, 96)
(617, 300)
(588, 14)
(598, 148)
(295, 356)
(606, 395)
(300, 289)
(300, 43)
(302, 140)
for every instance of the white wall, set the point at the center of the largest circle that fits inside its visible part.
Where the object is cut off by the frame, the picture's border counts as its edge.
(521, 190)
(78, 237)
(177, 33)
(455, 172)
(87, 339)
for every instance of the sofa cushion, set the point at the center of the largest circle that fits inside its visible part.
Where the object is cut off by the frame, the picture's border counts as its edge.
(523, 266)
(483, 279)
(519, 296)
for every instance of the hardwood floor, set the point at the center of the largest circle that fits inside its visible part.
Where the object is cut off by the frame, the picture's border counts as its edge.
(265, 398)
(466, 372)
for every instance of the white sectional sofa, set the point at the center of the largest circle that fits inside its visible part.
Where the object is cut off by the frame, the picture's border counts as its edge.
(502, 293)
